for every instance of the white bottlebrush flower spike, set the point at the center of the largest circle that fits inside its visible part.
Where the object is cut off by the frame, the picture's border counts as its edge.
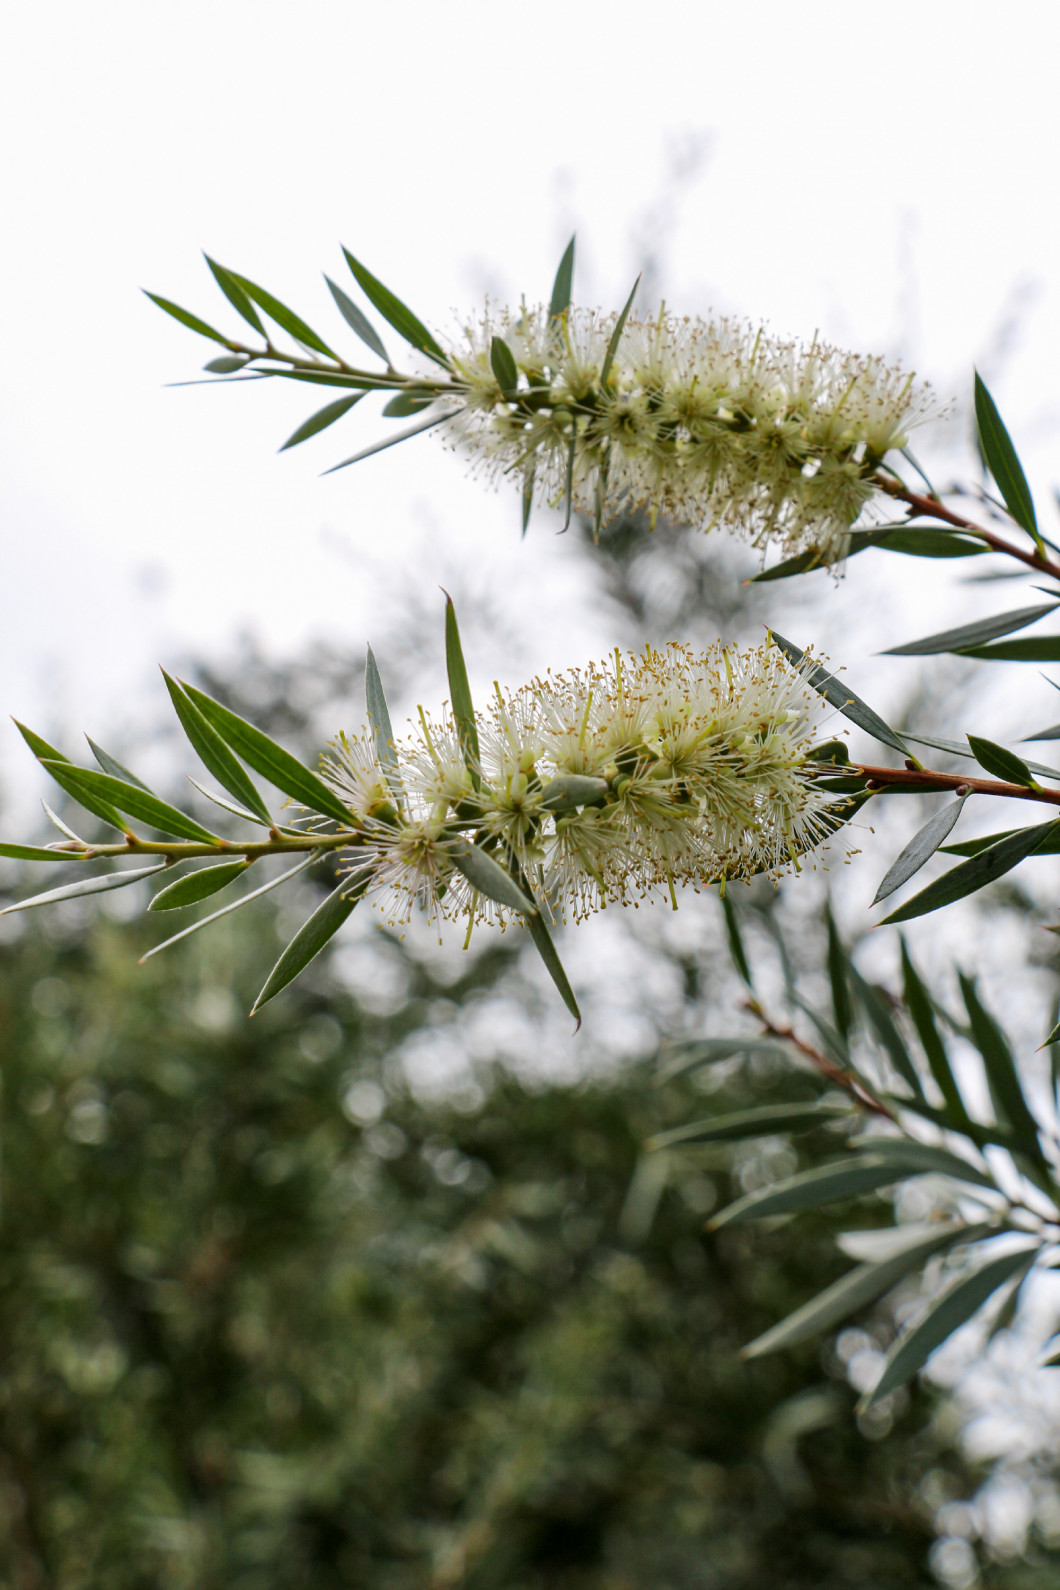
(610, 784)
(706, 421)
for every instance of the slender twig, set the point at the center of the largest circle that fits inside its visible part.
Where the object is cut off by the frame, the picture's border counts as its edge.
(925, 779)
(932, 508)
(846, 1080)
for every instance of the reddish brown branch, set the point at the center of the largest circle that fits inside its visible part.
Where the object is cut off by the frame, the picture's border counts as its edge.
(931, 508)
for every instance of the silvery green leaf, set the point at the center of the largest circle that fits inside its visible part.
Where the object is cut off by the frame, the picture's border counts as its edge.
(920, 848)
(389, 441)
(198, 885)
(764, 1120)
(489, 878)
(72, 891)
(382, 732)
(847, 1178)
(858, 1288)
(983, 629)
(358, 322)
(313, 935)
(850, 705)
(38, 853)
(563, 284)
(64, 828)
(235, 905)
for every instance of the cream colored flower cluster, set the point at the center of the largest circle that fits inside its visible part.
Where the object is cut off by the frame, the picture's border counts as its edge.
(608, 784)
(707, 422)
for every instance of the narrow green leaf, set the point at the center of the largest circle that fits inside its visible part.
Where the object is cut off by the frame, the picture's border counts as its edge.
(918, 1004)
(460, 693)
(313, 935)
(616, 334)
(269, 759)
(542, 940)
(407, 403)
(64, 828)
(228, 366)
(358, 322)
(736, 949)
(233, 905)
(382, 733)
(488, 877)
(1036, 649)
(973, 635)
(503, 365)
(838, 971)
(1003, 461)
(973, 874)
(321, 420)
(572, 449)
(547, 951)
(196, 886)
(389, 441)
(850, 705)
(192, 322)
(528, 493)
(956, 748)
(877, 1009)
(924, 543)
(48, 757)
(37, 853)
(693, 1052)
(394, 312)
(857, 1289)
(1051, 733)
(810, 1189)
(231, 806)
(242, 305)
(920, 848)
(132, 799)
(567, 791)
(561, 287)
(291, 323)
(944, 1314)
(110, 765)
(923, 1159)
(73, 891)
(1002, 764)
(763, 1121)
(1005, 1087)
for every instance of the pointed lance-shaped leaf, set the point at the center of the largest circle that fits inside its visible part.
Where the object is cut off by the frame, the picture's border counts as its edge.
(192, 322)
(394, 312)
(838, 972)
(230, 806)
(293, 324)
(460, 693)
(313, 935)
(488, 877)
(503, 365)
(1003, 461)
(811, 1189)
(228, 365)
(974, 874)
(923, 1159)
(39, 853)
(406, 403)
(736, 947)
(528, 494)
(921, 1012)
(50, 758)
(1005, 1086)
(1034, 649)
(956, 748)
(133, 799)
(945, 1314)
(229, 285)
(544, 946)
(933, 543)
(763, 1121)
(850, 705)
(358, 322)
(270, 759)
(64, 828)
(616, 334)
(214, 754)
(196, 886)
(111, 765)
(690, 1053)
(973, 635)
(857, 1289)
(875, 1005)
(559, 303)
(920, 848)
(1002, 764)
(390, 441)
(321, 420)
(234, 905)
(74, 891)
(382, 732)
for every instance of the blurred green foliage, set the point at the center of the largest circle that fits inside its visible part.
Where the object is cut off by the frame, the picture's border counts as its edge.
(271, 1322)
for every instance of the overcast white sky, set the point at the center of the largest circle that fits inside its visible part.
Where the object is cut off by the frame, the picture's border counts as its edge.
(886, 178)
